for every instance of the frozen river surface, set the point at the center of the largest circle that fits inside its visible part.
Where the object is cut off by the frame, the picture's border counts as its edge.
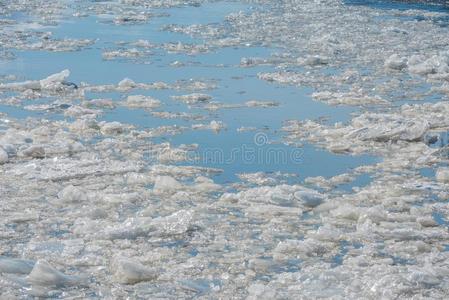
(224, 149)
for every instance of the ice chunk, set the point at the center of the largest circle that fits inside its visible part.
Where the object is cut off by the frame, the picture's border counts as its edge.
(71, 194)
(78, 111)
(246, 128)
(54, 80)
(193, 98)
(4, 157)
(174, 224)
(103, 103)
(43, 274)
(346, 211)
(126, 84)
(264, 104)
(204, 184)
(12, 137)
(21, 86)
(112, 128)
(260, 291)
(385, 127)
(14, 265)
(213, 125)
(191, 49)
(314, 60)
(268, 210)
(442, 175)
(140, 101)
(143, 44)
(309, 198)
(216, 125)
(166, 184)
(125, 53)
(34, 151)
(350, 98)
(422, 65)
(329, 183)
(127, 271)
(426, 221)
(396, 62)
(23, 217)
(300, 249)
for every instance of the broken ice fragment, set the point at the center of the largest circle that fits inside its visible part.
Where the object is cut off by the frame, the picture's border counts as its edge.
(396, 62)
(193, 98)
(127, 271)
(14, 265)
(442, 175)
(43, 274)
(71, 194)
(140, 101)
(112, 128)
(34, 152)
(175, 224)
(52, 82)
(126, 84)
(166, 183)
(3, 156)
(309, 198)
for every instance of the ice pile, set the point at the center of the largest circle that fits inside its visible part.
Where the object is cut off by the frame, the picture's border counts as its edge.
(140, 101)
(52, 82)
(97, 208)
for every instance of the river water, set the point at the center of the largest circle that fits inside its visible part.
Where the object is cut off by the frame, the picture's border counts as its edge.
(223, 149)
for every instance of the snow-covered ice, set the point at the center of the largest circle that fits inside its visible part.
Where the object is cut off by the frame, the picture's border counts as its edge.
(102, 193)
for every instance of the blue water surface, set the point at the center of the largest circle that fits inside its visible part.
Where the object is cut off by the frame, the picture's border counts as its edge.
(235, 85)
